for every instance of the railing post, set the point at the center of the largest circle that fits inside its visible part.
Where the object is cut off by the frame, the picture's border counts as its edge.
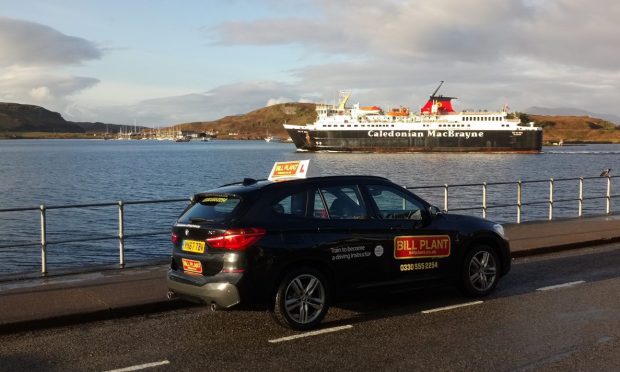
(484, 200)
(445, 197)
(580, 196)
(551, 198)
(519, 187)
(121, 233)
(608, 196)
(43, 240)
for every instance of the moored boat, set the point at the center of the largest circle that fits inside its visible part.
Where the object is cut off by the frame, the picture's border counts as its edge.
(183, 139)
(437, 127)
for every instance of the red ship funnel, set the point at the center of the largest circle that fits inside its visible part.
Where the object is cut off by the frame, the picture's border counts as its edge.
(438, 105)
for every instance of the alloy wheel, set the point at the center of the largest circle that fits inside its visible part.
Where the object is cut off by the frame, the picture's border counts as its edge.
(482, 271)
(304, 298)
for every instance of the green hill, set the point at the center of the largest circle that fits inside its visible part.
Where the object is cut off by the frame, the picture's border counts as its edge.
(17, 120)
(576, 129)
(15, 117)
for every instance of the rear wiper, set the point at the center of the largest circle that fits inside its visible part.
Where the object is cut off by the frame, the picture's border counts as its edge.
(198, 220)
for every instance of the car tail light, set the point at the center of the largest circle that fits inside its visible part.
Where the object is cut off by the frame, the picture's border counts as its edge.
(175, 238)
(237, 239)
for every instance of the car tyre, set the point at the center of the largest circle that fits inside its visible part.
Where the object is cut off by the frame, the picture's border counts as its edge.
(480, 271)
(302, 299)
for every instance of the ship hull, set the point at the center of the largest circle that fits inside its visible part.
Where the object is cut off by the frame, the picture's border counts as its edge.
(521, 141)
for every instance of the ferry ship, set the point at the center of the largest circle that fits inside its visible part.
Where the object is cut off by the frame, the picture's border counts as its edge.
(437, 127)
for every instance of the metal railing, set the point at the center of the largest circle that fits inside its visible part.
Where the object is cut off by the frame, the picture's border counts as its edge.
(484, 207)
(519, 204)
(44, 243)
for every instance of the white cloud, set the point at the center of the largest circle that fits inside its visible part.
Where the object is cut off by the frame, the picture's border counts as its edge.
(558, 31)
(522, 52)
(26, 43)
(41, 94)
(475, 29)
(36, 85)
(118, 92)
(275, 101)
(527, 52)
(32, 61)
(232, 99)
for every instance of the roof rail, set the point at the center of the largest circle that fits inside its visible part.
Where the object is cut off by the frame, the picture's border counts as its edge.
(246, 182)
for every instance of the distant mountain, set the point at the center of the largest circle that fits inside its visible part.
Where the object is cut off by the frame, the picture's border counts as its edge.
(566, 111)
(104, 127)
(16, 117)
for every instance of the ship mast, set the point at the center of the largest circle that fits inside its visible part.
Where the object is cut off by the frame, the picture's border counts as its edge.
(437, 90)
(438, 104)
(343, 97)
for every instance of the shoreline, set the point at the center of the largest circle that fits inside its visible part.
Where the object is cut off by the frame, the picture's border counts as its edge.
(82, 136)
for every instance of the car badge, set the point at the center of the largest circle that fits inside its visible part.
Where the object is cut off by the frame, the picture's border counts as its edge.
(186, 232)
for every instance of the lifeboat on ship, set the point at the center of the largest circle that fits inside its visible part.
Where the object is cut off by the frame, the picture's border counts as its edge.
(399, 111)
(371, 110)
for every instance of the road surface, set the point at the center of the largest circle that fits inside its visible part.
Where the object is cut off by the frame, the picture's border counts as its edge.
(552, 312)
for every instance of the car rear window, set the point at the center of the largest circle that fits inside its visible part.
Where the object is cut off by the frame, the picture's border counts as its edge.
(214, 207)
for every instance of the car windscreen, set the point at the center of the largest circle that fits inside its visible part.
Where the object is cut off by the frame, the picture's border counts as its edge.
(211, 207)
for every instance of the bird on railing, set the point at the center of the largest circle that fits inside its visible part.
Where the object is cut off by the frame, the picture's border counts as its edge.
(606, 172)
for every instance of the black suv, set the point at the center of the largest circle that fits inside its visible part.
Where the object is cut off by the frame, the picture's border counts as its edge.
(297, 245)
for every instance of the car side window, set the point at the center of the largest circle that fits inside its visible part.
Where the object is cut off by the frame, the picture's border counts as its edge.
(292, 205)
(320, 211)
(393, 204)
(344, 202)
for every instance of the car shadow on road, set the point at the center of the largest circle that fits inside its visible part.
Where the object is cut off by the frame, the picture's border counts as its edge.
(388, 304)
(526, 276)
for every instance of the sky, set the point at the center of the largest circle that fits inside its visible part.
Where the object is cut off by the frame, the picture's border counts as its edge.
(160, 63)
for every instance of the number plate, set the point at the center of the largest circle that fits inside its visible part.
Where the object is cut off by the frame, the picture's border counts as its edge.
(194, 246)
(192, 266)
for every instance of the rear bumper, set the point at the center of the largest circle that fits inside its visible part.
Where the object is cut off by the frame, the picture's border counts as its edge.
(222, 291)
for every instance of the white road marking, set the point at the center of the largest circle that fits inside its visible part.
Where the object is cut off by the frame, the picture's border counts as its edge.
(313, 333)
(141, 366)
(451, 307)
(565, 285)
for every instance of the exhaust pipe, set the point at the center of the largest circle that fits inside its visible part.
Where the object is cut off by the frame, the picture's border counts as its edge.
(170, 295)
(214, 307)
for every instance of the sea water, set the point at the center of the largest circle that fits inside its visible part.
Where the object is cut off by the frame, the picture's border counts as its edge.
(61, 172)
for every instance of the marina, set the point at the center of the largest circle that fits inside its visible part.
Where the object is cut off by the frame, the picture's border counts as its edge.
(167, 134)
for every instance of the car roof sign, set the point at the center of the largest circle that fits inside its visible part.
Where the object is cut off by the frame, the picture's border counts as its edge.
(289, 170)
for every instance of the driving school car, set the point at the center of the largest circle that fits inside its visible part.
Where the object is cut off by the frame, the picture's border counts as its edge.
(301, 244)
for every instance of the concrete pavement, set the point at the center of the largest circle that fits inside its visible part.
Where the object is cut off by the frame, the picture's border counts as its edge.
(51, 301)
(66, 299)
(545, 236)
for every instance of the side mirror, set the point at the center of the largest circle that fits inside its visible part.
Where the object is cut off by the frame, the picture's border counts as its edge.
(433, 211)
